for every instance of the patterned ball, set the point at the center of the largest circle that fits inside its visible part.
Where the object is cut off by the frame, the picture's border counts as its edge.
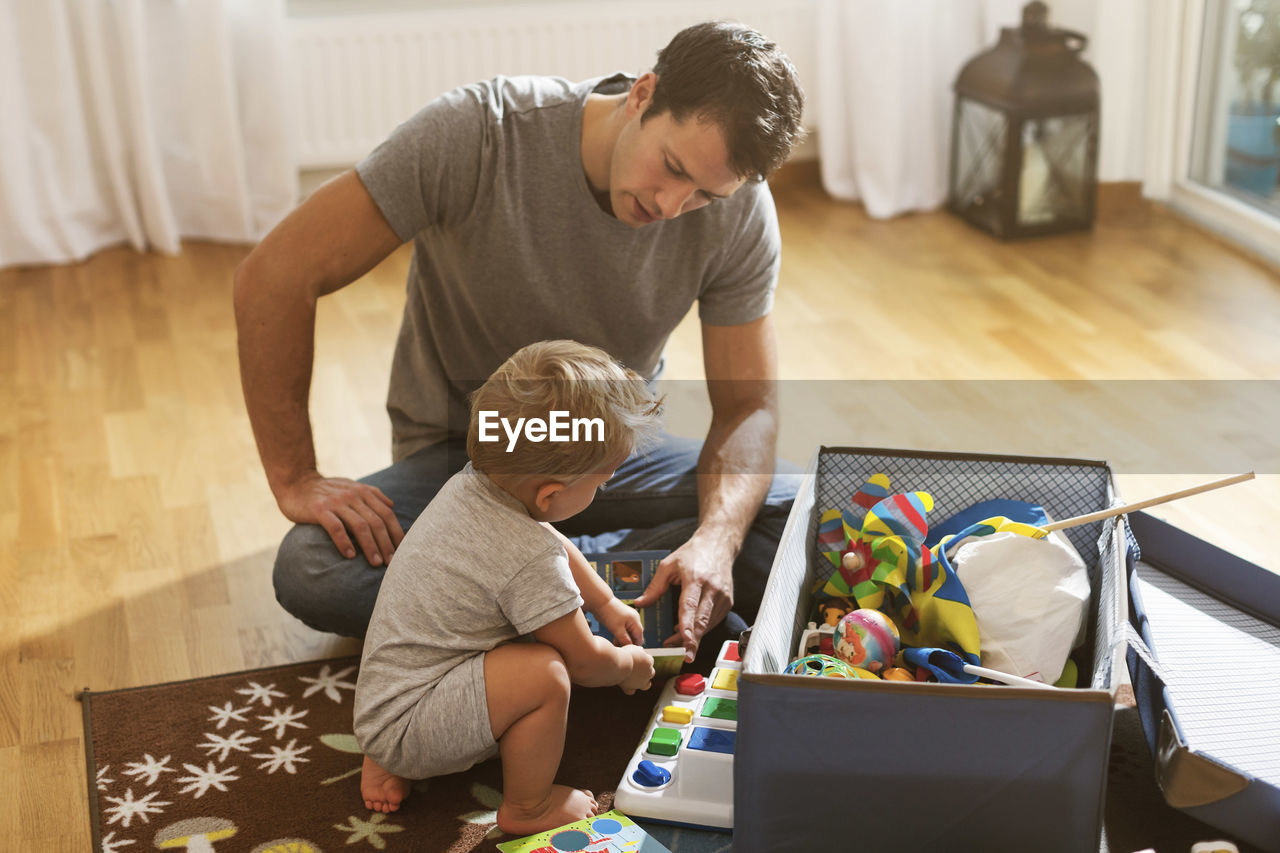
(867, 638)
(821, 665)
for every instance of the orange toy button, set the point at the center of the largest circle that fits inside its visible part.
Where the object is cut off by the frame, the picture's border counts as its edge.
(690, 684)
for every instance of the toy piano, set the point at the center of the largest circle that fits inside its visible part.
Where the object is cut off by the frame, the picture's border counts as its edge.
(682, 772)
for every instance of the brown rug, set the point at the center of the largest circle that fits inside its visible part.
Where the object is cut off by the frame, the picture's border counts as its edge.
(265, 761)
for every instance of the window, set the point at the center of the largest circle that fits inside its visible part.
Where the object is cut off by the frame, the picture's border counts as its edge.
(1235, 144)
(1212, 66)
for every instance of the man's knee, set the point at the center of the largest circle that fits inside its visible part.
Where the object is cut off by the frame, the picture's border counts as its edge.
(319, 586)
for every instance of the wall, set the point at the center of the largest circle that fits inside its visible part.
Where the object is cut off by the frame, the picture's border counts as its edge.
(362, 66)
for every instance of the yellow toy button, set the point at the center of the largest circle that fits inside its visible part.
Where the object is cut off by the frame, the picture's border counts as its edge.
(726, 679)
(676, 714)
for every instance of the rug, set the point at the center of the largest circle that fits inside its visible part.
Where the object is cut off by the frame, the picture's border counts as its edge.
(265, 762)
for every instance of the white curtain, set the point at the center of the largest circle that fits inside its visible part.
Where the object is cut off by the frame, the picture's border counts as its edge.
(884, 118)
(140, 121)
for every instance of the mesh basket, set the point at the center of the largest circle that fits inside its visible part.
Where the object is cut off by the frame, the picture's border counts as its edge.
(1064, 487)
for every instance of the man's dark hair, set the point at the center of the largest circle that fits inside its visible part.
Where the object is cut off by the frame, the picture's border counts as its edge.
(731, 75)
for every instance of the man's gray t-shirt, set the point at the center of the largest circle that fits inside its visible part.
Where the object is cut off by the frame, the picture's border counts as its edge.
(474, 571)
(511, 247)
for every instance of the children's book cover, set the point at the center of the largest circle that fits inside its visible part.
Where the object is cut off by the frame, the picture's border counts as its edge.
(611, 832)
(628, 574)
(667, 663)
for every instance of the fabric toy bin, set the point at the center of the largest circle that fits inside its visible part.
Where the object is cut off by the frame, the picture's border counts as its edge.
(1206, 677)
(848, 764)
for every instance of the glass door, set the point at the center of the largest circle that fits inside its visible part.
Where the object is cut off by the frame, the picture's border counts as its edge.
(1235, 133)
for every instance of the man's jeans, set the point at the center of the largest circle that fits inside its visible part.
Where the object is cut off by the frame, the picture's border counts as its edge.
(651, 503)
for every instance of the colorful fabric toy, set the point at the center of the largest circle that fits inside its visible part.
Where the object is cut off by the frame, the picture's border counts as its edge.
(839, 533)
(891, 570)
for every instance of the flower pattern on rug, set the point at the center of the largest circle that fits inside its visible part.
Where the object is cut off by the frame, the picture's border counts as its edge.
(201, 780)
(370, 830)
(126, 808)
(285, 757)
(110, 844)
(282, 718)
(490, 799)
(272, 753)
(329, 683)
(282, 712)
(148, 769)
(227, 714)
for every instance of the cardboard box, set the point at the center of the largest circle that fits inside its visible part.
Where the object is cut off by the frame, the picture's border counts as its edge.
(873, 765)
(1206, 677)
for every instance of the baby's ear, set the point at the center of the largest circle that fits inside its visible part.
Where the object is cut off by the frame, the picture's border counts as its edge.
(543, 496)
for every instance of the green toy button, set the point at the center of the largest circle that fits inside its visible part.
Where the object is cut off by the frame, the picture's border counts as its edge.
(664, 741)
(720, 708)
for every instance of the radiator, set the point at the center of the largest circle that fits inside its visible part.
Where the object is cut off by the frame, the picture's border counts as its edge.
(358, 75)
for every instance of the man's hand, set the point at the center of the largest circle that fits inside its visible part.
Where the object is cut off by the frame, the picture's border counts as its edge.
(345, 508)
(622, 621)
(705, 576)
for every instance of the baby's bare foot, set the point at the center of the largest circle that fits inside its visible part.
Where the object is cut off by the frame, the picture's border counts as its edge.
(563, 805)
(383, 791)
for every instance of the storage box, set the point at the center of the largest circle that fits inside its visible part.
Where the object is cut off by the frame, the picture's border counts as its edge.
(874, 765)
(1207, 679)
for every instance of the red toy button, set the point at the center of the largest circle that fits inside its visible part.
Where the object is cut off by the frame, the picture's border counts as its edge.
(690, 684)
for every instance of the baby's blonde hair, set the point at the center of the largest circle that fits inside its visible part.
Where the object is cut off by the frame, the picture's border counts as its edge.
(584, 381)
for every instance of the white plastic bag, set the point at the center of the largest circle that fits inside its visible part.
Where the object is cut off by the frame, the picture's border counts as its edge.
(1030, 597)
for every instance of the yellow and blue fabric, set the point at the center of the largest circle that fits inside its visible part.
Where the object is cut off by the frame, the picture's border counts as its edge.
(998, 524)
(1022, 511)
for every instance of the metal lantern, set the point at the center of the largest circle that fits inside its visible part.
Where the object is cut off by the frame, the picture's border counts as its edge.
(1024, 139)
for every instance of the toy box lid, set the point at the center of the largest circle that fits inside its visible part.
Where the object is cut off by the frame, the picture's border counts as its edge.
(1206, 677)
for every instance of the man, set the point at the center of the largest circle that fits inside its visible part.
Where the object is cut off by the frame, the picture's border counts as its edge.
(597, 211)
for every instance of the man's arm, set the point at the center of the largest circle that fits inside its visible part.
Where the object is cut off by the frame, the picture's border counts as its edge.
(330, 240)
(734, 474)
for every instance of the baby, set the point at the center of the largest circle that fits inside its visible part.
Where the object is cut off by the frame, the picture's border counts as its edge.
(443, 682)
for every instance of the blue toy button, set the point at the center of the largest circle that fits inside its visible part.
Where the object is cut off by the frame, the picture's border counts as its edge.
(713, 740)
(650, 775)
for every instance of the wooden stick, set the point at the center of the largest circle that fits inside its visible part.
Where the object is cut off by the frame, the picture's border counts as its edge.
(1124, 508)
(1006, 678)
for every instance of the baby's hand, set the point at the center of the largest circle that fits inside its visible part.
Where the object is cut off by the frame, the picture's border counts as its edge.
(641, 670)
(623, 622)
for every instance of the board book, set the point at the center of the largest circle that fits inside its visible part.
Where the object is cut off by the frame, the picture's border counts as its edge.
(628, 573)
(611, 832)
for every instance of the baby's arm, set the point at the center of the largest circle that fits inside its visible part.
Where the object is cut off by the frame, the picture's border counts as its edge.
(593, 661)
(622, 621)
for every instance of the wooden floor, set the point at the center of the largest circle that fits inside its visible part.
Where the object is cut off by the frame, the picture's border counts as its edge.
(137, 531)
